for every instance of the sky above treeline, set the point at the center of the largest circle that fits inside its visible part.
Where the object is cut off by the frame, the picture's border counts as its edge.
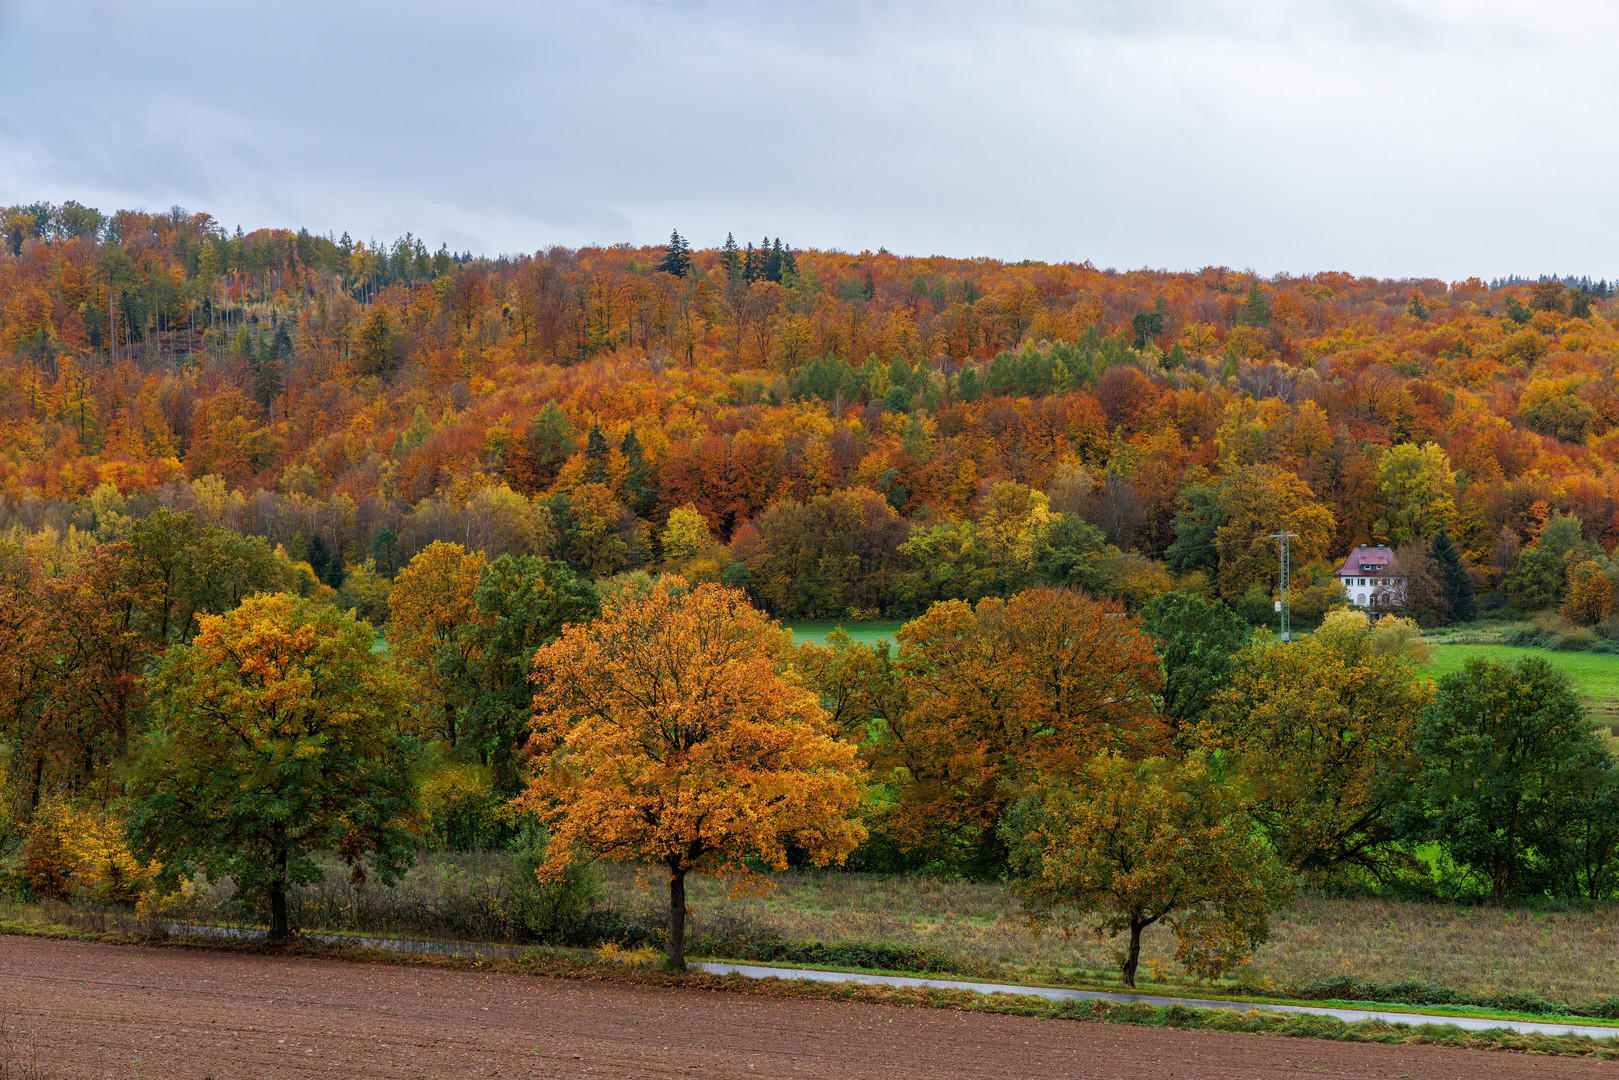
(1381, 137)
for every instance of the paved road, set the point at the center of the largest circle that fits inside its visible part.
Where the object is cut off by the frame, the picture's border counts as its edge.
(1469, 1023)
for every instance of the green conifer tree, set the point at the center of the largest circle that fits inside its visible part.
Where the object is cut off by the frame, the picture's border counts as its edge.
(596, 455)
(1453, 577)
(638, 478)
(1255, 310)
(677, 259)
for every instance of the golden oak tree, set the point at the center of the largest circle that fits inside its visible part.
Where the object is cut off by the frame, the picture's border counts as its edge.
(1257, 501)
(273, 738)
(672, 731)
(1124, 845)
(432, 598)
(1037, 683)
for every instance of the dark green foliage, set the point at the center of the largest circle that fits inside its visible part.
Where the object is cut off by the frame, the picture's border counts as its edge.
(1147, 325)
(523, 602)
(545, 449)
(968, 384)
(1579, 304)
(677, 259)
(830, 380)
(1069, 557)
(1517, 312)
(596, 456)
(731, 259)
(1195, 525)
(1506, 759)
(1255, 310)
(638, 491)
(1453, 578)
(1196, 639)
(385, 550)
(327, 566)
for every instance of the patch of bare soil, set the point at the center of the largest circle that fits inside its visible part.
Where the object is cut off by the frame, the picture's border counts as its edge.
(82, 1010)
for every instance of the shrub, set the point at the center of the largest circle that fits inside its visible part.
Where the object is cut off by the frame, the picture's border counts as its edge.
(74, 854)
(549, 909)
(461, 810)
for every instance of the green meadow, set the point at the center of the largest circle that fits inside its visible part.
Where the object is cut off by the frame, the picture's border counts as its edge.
(865, 633)
(1595, 675)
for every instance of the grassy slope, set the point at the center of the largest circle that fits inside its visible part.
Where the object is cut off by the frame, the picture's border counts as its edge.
(864, 633)
(1595, 676)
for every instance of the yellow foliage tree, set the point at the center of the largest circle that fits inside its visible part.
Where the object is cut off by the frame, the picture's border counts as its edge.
(1125, 845)
(73, 853)
(673, 731)
(1257, 501)
(431, 598)
(1322, 728)
(1590, 594)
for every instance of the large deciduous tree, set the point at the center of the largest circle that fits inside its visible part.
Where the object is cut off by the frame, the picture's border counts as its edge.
(1040, 682)
(1418, 490)
(432, 599)
(273, 739)
(1124, 845)
(1257, 501)
(520, 604)
(1322, 729)
(672, 731)
(1196, 639)
(1508, 757)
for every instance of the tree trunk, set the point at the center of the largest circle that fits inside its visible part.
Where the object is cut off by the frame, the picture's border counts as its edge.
(278, 912)
(278, 903)
(675, 958)
(1133, 959)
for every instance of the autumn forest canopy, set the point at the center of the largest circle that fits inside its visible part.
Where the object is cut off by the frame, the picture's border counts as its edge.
(553, 479)
(854, 432)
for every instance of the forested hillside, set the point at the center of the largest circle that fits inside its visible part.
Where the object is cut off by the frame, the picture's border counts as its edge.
(834, 432)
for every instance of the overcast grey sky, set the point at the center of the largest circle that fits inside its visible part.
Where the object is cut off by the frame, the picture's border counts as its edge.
(1376, 136)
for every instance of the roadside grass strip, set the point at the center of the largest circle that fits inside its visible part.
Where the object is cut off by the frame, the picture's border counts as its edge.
(1300, 1021)
(1348, 1016)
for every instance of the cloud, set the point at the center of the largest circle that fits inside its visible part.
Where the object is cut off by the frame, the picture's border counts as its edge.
(1385, 137)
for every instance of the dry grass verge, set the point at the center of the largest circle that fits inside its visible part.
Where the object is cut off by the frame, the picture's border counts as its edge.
(1570, 955)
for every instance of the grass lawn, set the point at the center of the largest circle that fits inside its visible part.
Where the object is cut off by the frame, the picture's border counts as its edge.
(864, 633)
(1596, 676)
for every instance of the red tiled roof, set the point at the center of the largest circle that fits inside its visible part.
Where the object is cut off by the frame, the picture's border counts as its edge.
(1368, 556)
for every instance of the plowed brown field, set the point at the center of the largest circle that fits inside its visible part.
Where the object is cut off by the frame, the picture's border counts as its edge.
(80, 1010)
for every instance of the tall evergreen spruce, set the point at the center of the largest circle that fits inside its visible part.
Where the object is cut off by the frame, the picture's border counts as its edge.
(638, 478)
(1255, 310)
(1453, 578)
(773, 262)
(751, 267)
(596, 453)
(677, 259)
(731, 257)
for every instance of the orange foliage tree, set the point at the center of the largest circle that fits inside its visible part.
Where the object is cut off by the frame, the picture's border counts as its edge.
(994, 694)
(673, 731)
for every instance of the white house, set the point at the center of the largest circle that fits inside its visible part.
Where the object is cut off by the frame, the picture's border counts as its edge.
(1371, 578)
